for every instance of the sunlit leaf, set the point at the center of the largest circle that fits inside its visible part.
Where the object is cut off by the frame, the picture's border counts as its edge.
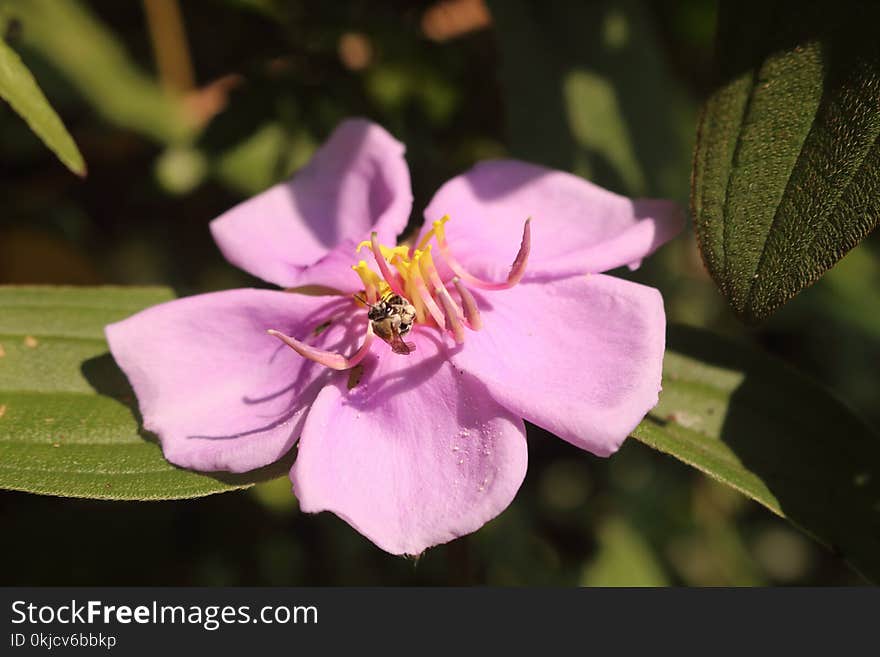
(787, 168)
(68, 419)
(752, 423)
(19, 88)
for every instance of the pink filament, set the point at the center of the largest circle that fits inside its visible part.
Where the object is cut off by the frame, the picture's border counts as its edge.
(426, 297)
(471, 311)
(387, 274)
(434, 277)
(371, 293)
(448, 302)
(327, 358)
(454, 323)
(517, 269)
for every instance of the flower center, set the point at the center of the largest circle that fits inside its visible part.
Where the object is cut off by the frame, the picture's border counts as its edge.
(413, 293)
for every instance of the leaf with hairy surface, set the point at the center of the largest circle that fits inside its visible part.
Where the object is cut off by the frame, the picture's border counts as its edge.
(787, 167)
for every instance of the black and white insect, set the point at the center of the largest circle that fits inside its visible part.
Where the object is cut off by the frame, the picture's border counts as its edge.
(391, 318)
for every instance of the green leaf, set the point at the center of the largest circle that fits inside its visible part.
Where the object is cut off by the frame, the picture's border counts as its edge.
(752, 423)
(20, 90)
(69, 424)
(787, 167)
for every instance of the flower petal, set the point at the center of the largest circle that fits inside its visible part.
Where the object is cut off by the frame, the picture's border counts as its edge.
(580, 357)
(334, 271)
(415, 455)
(220, 392)
(577, 227)
(358, 181)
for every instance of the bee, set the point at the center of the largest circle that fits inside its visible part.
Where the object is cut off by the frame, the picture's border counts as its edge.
(391, 318)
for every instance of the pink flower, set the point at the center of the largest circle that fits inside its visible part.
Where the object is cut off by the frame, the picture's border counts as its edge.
(412, 449)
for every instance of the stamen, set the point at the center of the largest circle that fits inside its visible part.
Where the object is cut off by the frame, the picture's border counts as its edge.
(414, 271)
(423, 243)
(471, 311)
(383, 265)
(388, 253)
(454, 323)
(329, 359)
(412, 274)
(412, 295)
(429, 271)
(517, 269)
(369, 279)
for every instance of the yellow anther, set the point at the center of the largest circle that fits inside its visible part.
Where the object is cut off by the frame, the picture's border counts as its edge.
(367, 275)
(426, 266)
(438, 226)
(397, 251)
(370, 279)
(426, 258)
(387, 252)
(402, 265)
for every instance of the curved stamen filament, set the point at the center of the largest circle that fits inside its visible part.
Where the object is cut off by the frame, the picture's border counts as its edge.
(471, 311)
(429, 271)
(387, 274)
(329, 359)
(426, 297)
(454, 323)
(517, 269)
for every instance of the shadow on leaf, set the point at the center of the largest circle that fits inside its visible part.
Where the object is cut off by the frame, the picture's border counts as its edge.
(105, 377)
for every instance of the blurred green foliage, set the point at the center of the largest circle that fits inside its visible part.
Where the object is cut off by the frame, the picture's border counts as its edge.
(93, 60)
(587, 89)
(608, 89)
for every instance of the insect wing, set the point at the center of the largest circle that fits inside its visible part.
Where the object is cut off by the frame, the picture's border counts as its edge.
(399, 345)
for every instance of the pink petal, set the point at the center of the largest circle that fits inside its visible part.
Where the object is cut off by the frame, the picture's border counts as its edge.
(577, 226)
(415, 455)
(220, 392)
(580, 357)
(334, 270)
(358, 181)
